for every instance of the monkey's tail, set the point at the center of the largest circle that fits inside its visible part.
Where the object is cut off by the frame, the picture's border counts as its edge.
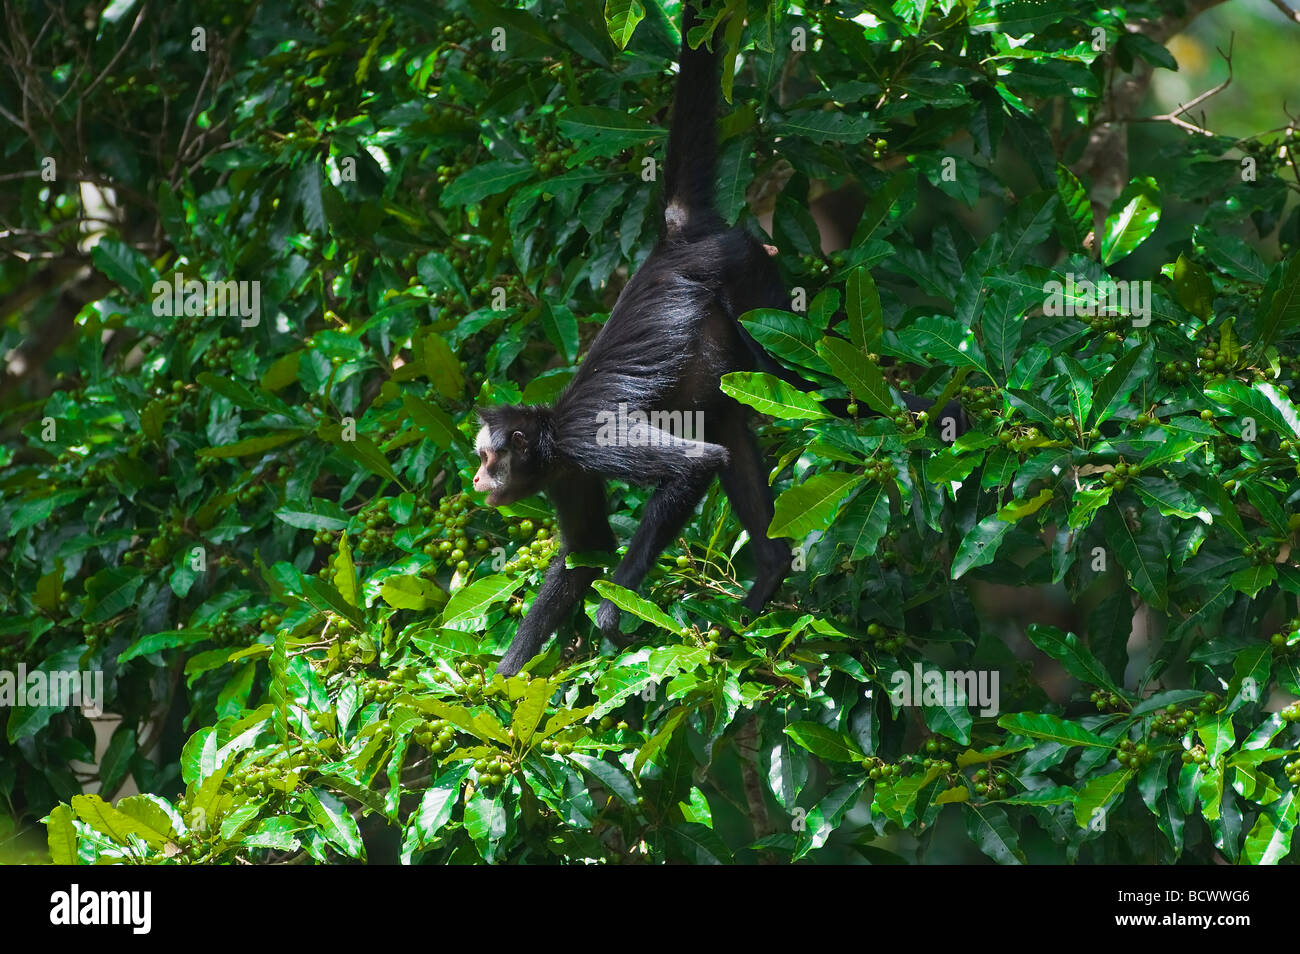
(692, 158)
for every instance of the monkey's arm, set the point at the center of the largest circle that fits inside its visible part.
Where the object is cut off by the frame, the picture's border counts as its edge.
(580, 508)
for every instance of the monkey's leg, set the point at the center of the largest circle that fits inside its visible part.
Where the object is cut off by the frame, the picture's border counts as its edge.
(666, 512)
(580, 509)
(745, 481)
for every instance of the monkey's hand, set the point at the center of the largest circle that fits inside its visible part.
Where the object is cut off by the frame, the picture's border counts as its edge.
(607, 619)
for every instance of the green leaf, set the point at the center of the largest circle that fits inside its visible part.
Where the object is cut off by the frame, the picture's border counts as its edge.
(103, 817)
(111, 591)
(1074, 202)
(858, 372)
(1193, 288)
(1142, 554)
(1080, 387)
(331, 816)
(250, 446)
(472, 601)
(621, 18)
(659, 741)
(61, 836)
(990, 829)
(1284, 307)
(436, 423)
(483, 180)
(1260, 401)
(638, 606)
(862, 522)
(1050, 727)
(530, 709)
(612, 126)
(411, 592)
(436, 271)
(772, 396)
(124, 265)
(811, 505)
(1069, 651)
(1113, 390)
(824, 742)
(819, 125)
(1269, 841)
(980, 545)
(862, 302)
(944, 339)
(784, 335)
(1098, 795)
(323, 515)
(1133, 218)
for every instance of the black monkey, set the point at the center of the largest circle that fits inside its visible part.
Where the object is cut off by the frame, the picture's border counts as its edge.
(671, 335)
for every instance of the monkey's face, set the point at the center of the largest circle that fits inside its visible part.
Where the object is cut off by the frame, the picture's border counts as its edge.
(502, 471)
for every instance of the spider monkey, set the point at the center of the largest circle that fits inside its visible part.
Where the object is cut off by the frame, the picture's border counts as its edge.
(673, 332)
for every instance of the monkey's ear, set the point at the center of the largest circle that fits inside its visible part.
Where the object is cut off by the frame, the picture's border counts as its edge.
(519, 441)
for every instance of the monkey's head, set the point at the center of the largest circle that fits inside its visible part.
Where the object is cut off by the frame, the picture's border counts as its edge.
(514, 448)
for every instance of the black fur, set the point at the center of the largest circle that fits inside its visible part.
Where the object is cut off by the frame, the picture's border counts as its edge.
(673, 332)
(671, 335)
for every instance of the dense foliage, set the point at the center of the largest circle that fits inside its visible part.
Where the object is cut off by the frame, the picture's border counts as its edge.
(262, 533)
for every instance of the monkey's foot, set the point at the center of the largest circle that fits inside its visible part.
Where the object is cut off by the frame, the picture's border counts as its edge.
(607, 618)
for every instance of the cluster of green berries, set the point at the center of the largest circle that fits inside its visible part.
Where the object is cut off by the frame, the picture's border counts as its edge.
(886, 640)
(1262, 554)
(938, 751)
(1176, 372)
(254, 780)
(881, 468)
(1175, 720)
(1106, 324)
(1134, 754)
(227, 630)
(219, 351)
(907, 422)
(160, 546)
(551, 747)
(1292, 770)
(536, 555)
(1121, 475)
(814, 265)
(353, 650)
(452, 543)
(492, 772)
(991, 782)
(1107, 701)
(377, 690)
(982, 404)
(878, 769)
(95, 634)
(1021, 439)
(1196, 755)
(437, 736)
(249, 492)
(1290, 713)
